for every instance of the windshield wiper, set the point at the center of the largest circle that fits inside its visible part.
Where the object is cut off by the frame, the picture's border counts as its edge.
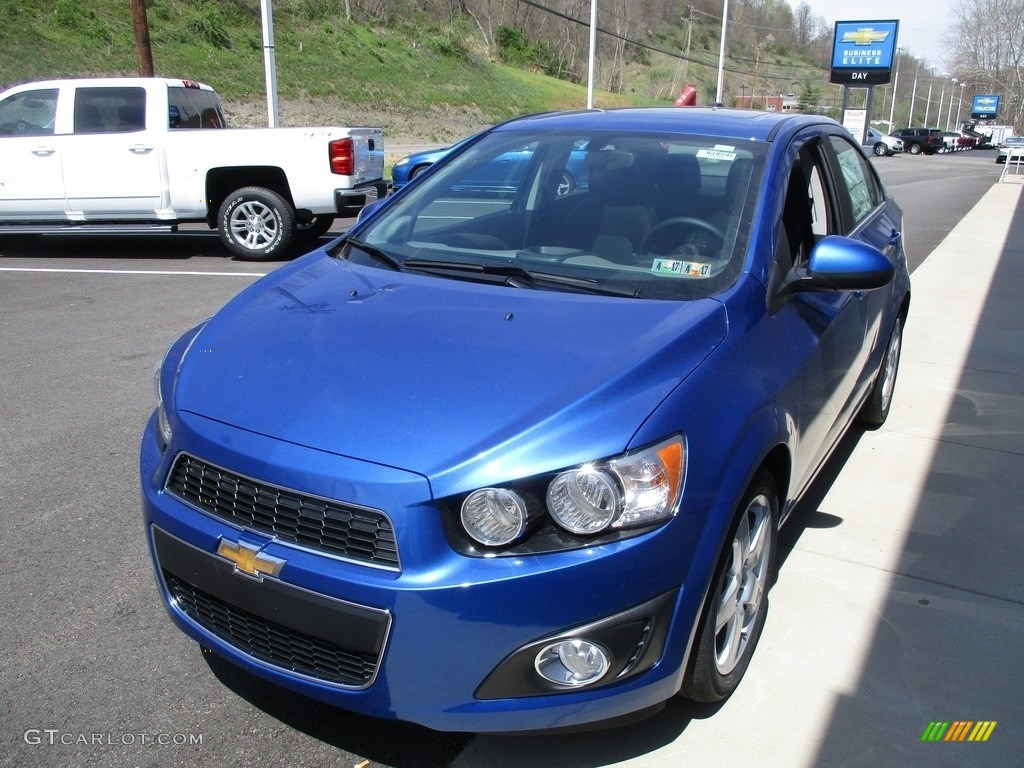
(376, 253)
(514, 276)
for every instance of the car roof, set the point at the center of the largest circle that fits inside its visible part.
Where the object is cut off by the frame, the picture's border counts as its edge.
(707, 121)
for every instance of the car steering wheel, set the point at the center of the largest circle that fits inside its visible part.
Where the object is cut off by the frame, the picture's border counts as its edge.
(689, 227)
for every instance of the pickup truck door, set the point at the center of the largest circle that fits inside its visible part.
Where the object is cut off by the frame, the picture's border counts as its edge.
(31, 181)
(112, 164)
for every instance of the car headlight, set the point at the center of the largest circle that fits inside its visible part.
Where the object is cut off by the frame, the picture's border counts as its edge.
(634, 490)
(165, 372)
(403, 161)
(162, 424)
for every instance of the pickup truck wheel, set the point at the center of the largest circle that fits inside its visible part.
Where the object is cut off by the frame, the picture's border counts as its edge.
(313, 228)
(256, 223)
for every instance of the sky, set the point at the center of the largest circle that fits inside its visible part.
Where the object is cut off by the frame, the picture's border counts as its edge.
(923, 23)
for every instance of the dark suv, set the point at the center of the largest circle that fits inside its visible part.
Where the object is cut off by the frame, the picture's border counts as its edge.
(918, 140)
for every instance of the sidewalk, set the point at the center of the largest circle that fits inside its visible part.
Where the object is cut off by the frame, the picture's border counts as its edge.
(900, 598)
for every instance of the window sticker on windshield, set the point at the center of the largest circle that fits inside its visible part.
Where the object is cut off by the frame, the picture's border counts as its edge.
(681, 268)
(718, 153)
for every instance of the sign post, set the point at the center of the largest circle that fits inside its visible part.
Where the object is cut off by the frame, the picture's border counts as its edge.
(863, 53)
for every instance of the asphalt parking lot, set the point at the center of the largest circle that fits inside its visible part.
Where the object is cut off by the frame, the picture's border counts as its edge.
(900, 599)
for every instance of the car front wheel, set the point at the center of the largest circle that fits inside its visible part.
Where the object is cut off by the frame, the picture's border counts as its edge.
(915, 149)
(880, 150)
(735, 610)
(255, 223)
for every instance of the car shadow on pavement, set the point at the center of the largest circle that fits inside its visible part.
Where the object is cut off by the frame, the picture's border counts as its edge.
(384, 742)
(807, 513)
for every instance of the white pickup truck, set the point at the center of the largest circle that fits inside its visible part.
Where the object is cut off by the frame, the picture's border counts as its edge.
(133, 155)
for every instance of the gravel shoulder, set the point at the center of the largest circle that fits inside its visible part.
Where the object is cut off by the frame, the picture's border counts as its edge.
(402, 126)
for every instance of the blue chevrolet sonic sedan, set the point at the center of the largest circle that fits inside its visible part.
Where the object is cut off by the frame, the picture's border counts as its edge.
(518, 461)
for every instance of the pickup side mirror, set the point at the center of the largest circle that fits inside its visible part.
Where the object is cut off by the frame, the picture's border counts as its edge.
(838, 264)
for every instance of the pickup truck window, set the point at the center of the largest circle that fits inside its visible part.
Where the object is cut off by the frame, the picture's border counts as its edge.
(193, 108)
(29, 113)
(110, 110)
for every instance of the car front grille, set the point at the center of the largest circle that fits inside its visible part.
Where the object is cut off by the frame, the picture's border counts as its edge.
(271, 642)
(365, 535)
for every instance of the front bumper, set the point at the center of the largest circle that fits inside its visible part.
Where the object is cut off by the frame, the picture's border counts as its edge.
(434, 642)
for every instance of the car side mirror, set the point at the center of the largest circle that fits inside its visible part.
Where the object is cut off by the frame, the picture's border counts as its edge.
(838, 264)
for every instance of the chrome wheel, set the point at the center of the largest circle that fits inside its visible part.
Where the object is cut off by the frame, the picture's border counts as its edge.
(890, 366)
(744, 585)
(254, 225)
(737, 601)
(876, 408)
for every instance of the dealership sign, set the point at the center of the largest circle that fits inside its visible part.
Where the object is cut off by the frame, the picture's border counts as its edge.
(985, 107)
(863, 52)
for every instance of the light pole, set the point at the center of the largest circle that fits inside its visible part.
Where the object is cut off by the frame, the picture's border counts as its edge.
(721, 52)
(895, 82)
(913, 95)
(942, 95)
(949, 112)
(960, 103)
(928, 101)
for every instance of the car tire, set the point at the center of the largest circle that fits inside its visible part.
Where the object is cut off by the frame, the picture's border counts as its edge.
(735, 609)
(915, 149)
(314, 228)
(255, 223)
(876, 409)
(881, 150)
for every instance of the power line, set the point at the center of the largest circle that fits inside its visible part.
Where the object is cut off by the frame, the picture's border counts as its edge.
(764, 75)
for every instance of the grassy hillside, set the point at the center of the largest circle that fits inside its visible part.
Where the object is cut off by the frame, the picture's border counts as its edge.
(326, 66)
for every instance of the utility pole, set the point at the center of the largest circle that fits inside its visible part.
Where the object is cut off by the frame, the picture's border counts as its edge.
(143, 49)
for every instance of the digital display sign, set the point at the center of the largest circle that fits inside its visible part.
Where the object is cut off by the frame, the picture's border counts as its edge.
(985, 106)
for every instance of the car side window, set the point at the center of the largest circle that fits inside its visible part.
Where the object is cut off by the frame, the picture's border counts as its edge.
(806, 214)
(859, 183)
(110, 110)
(193, 108)
(29, 113)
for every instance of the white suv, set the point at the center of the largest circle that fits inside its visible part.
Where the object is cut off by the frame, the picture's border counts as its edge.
(881, 145)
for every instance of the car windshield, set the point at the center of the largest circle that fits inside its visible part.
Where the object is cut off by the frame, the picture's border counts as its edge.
(660, 216)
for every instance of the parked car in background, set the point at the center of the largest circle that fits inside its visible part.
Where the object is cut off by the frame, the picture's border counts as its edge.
(881, 145)
(494, 176)
(918, 140)
(517, 462)
(1011, 146)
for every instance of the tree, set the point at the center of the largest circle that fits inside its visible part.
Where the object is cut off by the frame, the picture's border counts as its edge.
(986, 45)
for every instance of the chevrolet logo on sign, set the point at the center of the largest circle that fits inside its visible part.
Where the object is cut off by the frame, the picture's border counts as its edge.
(864, 36)
(248, 560)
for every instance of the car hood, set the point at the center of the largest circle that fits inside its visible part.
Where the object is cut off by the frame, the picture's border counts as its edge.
(466, 384)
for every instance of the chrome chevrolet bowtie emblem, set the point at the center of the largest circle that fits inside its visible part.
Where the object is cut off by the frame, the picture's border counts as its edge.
(864, 36)
(248, 560)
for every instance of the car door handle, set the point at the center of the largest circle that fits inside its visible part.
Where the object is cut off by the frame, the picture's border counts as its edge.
(139, 149)
(895, 237)
(43, 151)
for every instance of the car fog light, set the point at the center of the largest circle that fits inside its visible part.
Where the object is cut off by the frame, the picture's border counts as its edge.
(584, 500)
(495, 516)
(572, 662)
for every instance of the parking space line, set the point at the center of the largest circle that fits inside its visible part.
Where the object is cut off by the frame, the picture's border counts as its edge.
(129, 272)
